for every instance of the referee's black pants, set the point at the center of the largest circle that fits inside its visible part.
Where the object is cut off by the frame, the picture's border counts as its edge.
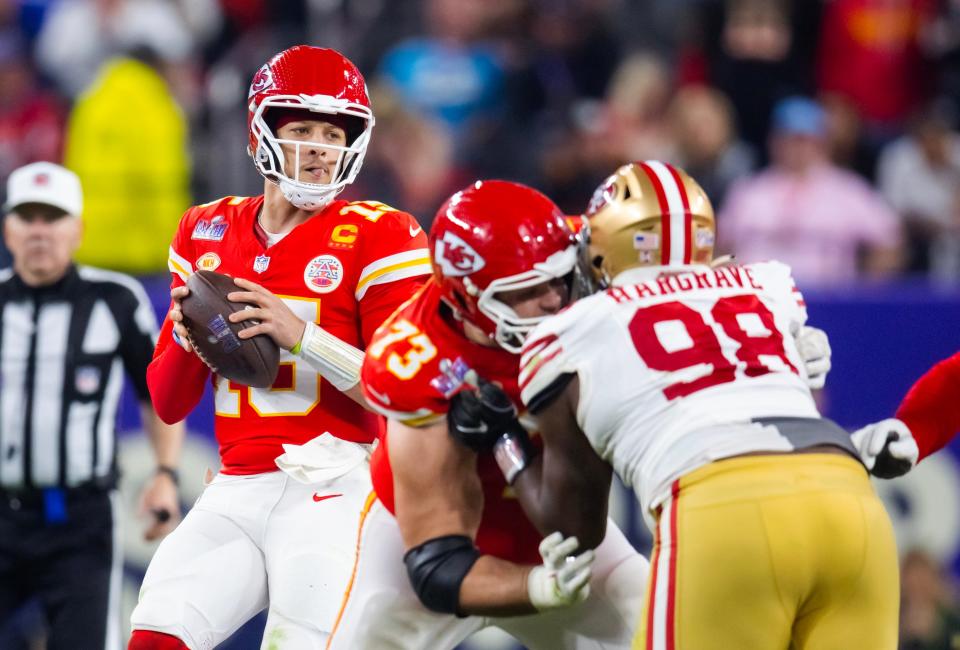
(65, 565)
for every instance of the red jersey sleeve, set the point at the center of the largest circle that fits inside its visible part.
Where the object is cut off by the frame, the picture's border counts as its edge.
(175, 377)
(395, 262)
(398, 368)
(931, 408)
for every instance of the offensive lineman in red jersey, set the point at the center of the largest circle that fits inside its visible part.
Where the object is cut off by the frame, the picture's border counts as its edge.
(467, 546)
(327, 272)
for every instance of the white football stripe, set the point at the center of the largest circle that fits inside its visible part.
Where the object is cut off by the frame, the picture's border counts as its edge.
(675, 204)
(662, 587)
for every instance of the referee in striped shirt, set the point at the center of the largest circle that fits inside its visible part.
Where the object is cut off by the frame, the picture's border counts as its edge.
(67, 334)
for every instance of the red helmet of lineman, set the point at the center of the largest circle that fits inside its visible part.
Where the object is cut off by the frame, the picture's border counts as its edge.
(497, 236)
(327, 84)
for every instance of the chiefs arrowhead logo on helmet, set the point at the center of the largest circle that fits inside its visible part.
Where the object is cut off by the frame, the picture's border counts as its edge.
(261, 81)
(455, 256)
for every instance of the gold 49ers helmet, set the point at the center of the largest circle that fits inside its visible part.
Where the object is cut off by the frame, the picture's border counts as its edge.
(648, 214)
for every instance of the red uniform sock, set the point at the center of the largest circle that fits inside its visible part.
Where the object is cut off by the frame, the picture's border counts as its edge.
(150, 640)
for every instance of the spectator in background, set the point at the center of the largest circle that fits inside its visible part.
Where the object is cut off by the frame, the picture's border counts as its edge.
(825, 222)
(127, 140)
(846, 140)
(929, 614)
(452, 75)
(629, 124)
(755, 51)
(868, 52)
(78, 36)
(31, 119)
(412, 160)
(919, 174)
(702, 123)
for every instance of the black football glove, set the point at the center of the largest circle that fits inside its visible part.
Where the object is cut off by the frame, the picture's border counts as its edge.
(887, 448)
(479, 416)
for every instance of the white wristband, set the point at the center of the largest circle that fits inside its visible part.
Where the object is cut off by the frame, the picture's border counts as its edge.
(336, 361)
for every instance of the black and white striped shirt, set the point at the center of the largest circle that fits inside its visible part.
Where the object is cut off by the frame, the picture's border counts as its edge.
(63, 350)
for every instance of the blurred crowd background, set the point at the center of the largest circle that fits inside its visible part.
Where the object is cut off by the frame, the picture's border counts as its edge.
(826, 131)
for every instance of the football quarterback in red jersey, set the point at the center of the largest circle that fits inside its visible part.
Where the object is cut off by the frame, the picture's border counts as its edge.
(444, 534)
(323, 273)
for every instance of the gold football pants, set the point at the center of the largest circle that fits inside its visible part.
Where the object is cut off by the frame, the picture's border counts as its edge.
(772, 552)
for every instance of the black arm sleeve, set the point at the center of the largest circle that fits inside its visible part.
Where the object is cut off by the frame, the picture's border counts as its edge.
(436, 569)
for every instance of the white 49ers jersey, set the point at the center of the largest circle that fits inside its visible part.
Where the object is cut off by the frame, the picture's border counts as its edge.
(674, 371)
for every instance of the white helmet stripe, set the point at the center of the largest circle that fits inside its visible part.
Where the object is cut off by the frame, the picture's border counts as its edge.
(676, 199)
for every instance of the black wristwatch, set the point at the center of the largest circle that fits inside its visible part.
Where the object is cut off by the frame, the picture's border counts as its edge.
(171, 472)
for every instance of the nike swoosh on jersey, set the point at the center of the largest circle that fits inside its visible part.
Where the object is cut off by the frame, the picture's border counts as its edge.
(415, 231)
(318, 498)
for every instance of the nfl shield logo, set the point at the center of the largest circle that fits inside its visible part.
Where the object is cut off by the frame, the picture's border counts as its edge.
(260, 263)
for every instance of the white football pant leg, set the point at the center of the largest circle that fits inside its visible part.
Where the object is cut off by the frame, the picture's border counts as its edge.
(382, 612)
(310, 546)
(207, 577)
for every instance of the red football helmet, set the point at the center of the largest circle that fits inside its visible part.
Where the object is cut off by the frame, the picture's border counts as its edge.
(498, 236)
(311, 79)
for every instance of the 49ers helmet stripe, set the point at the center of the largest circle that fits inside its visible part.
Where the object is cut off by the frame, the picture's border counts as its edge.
(674, 210)
(687, 219)
(665, 229)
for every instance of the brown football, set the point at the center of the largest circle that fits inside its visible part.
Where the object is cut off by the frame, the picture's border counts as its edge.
(254, 361)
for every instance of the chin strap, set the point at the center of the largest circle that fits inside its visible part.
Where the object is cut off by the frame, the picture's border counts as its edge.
(306, 199)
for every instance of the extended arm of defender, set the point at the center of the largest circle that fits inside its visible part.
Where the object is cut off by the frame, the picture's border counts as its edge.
(563, 488)
(567, 487)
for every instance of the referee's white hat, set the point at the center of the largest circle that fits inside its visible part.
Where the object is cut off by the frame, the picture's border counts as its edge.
(44, 182)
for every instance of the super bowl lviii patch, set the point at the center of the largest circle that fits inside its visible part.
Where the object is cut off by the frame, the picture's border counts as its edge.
(212, 230)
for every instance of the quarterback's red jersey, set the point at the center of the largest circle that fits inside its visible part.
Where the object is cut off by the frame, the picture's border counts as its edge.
(346, 269)
(414, 365)
(931, 408)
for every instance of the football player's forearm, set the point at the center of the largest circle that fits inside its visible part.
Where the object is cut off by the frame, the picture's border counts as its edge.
(566, 507)
(176, 380)
(931, 408)
(495, 587)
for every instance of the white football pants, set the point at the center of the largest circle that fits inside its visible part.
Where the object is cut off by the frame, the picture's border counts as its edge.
(250, 536)
(382, 611)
